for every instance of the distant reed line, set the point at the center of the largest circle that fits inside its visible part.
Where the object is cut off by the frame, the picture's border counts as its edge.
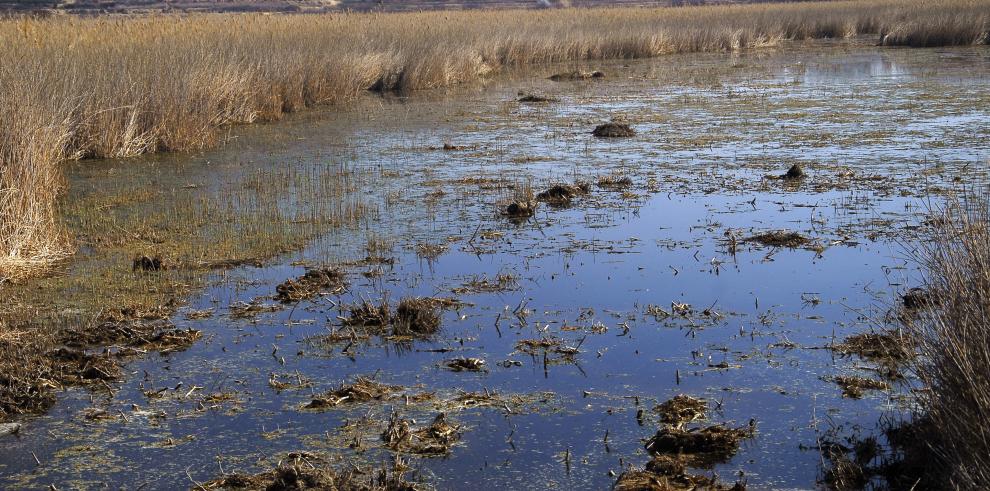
(74, 88)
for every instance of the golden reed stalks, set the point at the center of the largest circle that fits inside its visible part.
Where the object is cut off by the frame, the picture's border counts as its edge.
(121, 86)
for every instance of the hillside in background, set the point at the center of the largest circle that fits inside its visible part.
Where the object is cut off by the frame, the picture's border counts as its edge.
(138, 6)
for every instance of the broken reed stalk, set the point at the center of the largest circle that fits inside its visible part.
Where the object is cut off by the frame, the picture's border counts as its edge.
(97, 87)
(954, 341)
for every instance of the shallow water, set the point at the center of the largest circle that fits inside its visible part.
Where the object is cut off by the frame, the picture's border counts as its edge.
(878, 130)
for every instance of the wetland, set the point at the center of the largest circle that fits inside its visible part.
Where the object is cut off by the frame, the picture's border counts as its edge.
(681, 271)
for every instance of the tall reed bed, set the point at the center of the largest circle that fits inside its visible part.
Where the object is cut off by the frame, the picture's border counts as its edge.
(121, 86)
(954, 337)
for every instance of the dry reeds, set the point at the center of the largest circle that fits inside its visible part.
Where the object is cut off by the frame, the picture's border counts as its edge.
(954, 341)
(121, 86)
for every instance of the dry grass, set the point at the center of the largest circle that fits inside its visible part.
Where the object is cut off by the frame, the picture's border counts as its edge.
(120, 86)
(954, 340)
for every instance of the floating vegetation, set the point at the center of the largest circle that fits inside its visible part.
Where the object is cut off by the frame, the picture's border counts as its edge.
(615, 182)
(431, 251)
(668, 473)
(414, 317)
(682, 409)
(482, 284)
(855, 387)
(301, 470)
(249, 310)
(168, 340)
(700, 446)
(546, 347)
(877, 346)
(780, 238)
(363, 389)
(314, 282)
(562, 194)
(614, 130)
(436, 439)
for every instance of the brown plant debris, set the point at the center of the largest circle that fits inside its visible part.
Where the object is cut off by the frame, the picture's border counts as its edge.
(482, 284)
(417, 317)
(668, 473)
(520, 209)
(562, 194)
(576, 75)
(614, 182)
(363, 389)
(702, 446)
(302, 471)
(435, 439)
(877, 346)
(548, 346)
(168, 340)
(855, 387)
(779, 238)
(414, 317)
(430, 251)
(314, 282)
(464, 364)
(248, 310)
(613, 130)
(81, 367)
(682, 409)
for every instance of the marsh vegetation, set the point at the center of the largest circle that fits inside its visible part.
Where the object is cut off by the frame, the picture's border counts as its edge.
(434, 288)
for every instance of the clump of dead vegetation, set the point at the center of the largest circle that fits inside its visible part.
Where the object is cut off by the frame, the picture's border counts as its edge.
(301, 470)
(437, 438)
(362, 390)
(416, 317)
(890, 346)
(431, 251)
(780, 238)
(314, 282)
(614, 130)
(502, 282)
(667, 473)
(615, 182)
(700, 446)
(29, 379)
(250, 310)
(682, 409)
(855, 387)
(562, 194)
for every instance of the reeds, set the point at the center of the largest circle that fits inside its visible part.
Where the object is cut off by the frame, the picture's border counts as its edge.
(121, 86)
(954, 340)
